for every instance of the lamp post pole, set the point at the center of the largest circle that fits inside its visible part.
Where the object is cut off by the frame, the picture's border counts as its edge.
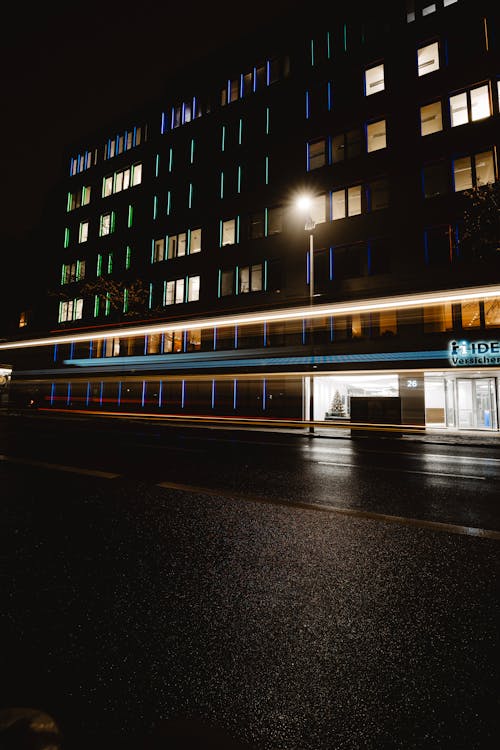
(310, 228)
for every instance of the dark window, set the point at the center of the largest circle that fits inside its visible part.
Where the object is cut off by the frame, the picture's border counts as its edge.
(435, 179)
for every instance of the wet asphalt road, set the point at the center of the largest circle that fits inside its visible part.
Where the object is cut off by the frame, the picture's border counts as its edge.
(289, 627)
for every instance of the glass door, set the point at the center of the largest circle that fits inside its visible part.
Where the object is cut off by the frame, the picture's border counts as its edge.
(477, 409)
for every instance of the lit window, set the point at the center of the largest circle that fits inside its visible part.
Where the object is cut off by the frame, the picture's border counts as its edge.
(480, 103)
(492, 312)
(462, 174)
(428, 59)
(244, 280)
(193, 288)
(448, 2)
(429, 9)
(106, 224)
(229, 232)
(338, 204)
(374, 80)
(275, 220)
(376, 136)
(471, 314)
(484, 168)
(137, 174)
(470, 106)
(83, 232)
(179, 291)
(195, 241)
(354, 200)
(256, 278)
(318, 208)
(107, 186)
(431, 118)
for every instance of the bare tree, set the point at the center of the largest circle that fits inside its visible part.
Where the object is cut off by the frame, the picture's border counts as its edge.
(481, 235)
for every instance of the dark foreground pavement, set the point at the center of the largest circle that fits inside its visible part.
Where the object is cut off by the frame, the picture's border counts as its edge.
(125, 605)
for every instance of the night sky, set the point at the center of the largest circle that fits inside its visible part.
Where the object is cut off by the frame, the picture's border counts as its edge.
(67, 69)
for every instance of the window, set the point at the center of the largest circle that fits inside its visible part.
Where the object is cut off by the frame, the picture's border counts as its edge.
(428, 59)
(228, 232)
(319, 208)
(346, 202)
(354, 200)
(70, 310)
(471, 314)
(374, 80)
(256, 227)
(492, 312)
(80, 198)
(431, 118)
(250, 278)
(470, 106)
(437, 318)
(193, 294)
(83, 231)
(349, 261)
(195, 241)
(429, 9)
(275, 220)
(177, 245)
(435, 179)
(376, 136)
(378, 194)
(473, 171)
(227, 283)
(347, 145)
(316, 154)
(159, 250)
(106, 224)
(73, 272)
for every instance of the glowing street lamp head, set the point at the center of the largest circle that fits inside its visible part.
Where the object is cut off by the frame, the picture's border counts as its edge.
(304, 203)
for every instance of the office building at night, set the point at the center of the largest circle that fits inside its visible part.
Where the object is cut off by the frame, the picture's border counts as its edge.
(192, 281)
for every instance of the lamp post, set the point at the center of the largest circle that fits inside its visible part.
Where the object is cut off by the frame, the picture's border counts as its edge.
(304, 204)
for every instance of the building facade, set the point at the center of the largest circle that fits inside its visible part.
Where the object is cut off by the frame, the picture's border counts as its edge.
(191, 283)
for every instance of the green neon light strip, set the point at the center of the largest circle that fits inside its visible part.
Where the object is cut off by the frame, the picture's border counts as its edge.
(223, 138)
(130, 217)
(128, 256)
(155, 207)
(268, 120)
(157, 165)
(240, 131)
(170, 159)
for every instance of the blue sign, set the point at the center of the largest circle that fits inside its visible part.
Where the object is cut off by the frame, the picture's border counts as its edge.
(466, 353)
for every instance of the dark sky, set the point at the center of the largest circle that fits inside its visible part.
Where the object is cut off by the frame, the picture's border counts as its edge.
(69, 68)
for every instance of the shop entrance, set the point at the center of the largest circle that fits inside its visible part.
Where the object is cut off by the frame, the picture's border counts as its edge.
(476, 401)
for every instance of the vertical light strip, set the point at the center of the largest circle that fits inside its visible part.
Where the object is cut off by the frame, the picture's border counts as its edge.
(268, 120)
(265, 275)
(125, 300)
(152, 251)
(143, 393)
(266, 169)
(329, 95)
(150, 300)
(215, 339)
(222, 184)
(219, 283)
(345, 37)
(223, 138)
(183, 393)
(164, 300)
(130, 216)
(237, 229)
(264, 394)
(235, 391)
(328, 46)
(169, 202)
(191, 155)
(237, 279)
(235, 343)
(160, 394)
(265, 333)
(312, 52)
(162, 128)
(155, 207)
(54, 358)
(308, 111)
(190, 195)
(240, 131)
(119, 397)
(157, 165)
(213, 394)
(66, 237)
(266, 222)
(238, 188)
(87, 395)
(101, 389)
(52, 393)
(486, 38)
(170, 159)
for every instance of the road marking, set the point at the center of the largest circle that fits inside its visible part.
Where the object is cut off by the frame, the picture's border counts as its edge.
(60, 467)
(449, 528)
(405, 471)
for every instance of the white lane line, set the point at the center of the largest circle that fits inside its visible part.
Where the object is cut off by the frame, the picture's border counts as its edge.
(405, 471)
(60, 467)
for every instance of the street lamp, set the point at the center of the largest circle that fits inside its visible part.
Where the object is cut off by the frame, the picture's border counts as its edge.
(304, 206)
